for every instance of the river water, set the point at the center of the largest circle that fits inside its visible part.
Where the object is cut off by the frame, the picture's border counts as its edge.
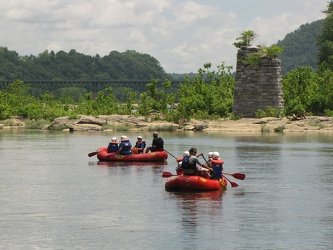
(53, 196)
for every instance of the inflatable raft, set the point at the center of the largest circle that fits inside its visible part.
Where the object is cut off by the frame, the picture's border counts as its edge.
(103, 155)
(194, 183)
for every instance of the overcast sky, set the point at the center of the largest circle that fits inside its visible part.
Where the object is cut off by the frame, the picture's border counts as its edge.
(181, 34)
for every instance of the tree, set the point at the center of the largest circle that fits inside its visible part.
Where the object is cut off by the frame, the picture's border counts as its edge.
(208, 95)
(301, 91)
(325, 41)
(245, 39)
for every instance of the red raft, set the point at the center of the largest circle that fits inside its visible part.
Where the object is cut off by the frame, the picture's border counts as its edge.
(194, 183)
(103, 155)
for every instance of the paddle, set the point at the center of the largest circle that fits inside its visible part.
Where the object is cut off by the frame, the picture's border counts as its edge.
(170, 154)
(205, 160)
(92, 154)
(233, 184)
(167, 174)
(238, 176)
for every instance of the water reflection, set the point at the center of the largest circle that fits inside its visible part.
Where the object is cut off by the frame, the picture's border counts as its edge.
(135, 164)
(199, 216)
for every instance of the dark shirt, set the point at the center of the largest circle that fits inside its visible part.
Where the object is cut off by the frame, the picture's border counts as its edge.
(158, 143)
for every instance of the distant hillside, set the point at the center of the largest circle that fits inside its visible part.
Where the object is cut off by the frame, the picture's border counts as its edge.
(300, 47)
(129, 65)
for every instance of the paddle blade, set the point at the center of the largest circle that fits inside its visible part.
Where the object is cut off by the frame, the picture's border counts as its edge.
(92, 154)
(166, 174)
(233, 184)
(238, 176)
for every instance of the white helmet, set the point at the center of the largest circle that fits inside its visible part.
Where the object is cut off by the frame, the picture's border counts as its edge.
(210, 155)
(216, 155)
(113, 139)
(123, 137)
(186, 153)
(139, 137)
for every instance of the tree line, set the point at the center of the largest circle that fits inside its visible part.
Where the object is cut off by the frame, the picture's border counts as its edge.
(129, 65)
(209, 94)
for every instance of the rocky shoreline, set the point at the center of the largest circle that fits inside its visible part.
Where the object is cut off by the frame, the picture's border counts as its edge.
(138, 123)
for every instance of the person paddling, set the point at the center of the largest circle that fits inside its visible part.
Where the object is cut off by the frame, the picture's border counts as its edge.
(189, 164)
(216, 166)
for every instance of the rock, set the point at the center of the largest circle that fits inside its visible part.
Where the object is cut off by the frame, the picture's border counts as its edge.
(91, 120)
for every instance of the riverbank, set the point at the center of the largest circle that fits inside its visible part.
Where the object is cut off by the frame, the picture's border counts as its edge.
(137, 123)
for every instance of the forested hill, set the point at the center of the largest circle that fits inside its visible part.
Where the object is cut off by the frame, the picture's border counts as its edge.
(129, 65)
(300, 48)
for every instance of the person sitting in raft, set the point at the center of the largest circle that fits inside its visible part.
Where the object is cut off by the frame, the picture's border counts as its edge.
(210, 156)
(179, 168)
(113, 145)
(216, 166)
(125, 146)
(189, 164)
(157, 144)
(139, 145)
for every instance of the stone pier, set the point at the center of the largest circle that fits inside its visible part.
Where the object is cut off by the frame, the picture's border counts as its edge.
(257, 87)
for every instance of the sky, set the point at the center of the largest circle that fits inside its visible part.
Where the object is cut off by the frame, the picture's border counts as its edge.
(182, 35)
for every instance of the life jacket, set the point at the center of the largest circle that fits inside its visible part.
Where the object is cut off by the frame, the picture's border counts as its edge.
(113, 147)
(141, 144)
(187, 165)
(126, 147)
(217, 166)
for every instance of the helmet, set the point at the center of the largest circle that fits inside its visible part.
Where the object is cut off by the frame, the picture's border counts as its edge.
(123, 137)
(113, 139)
(186, 153)
(139, 137)
(216, 155)
(210, 154)
(155, 134)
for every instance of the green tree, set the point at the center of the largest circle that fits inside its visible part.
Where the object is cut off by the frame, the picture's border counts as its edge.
(245, 39)
(208, 95)
(325, 41)
(156, 99)
(301, 91)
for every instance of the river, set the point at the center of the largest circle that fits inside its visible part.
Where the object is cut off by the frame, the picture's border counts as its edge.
(53, 196)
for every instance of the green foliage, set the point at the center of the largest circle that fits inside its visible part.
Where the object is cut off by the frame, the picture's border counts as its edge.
(129, 65)
(156, 99)
(253, 59)
(300, 47)
(325, 41)
(302, 91)
(104, 103)
(36, 124)
(269, 112)
(268, 52)
(329, 112)
(271, 51)
(208, 95)
(245, 39)
(203, 99)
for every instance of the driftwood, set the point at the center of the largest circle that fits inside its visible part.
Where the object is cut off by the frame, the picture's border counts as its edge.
(298, 116)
